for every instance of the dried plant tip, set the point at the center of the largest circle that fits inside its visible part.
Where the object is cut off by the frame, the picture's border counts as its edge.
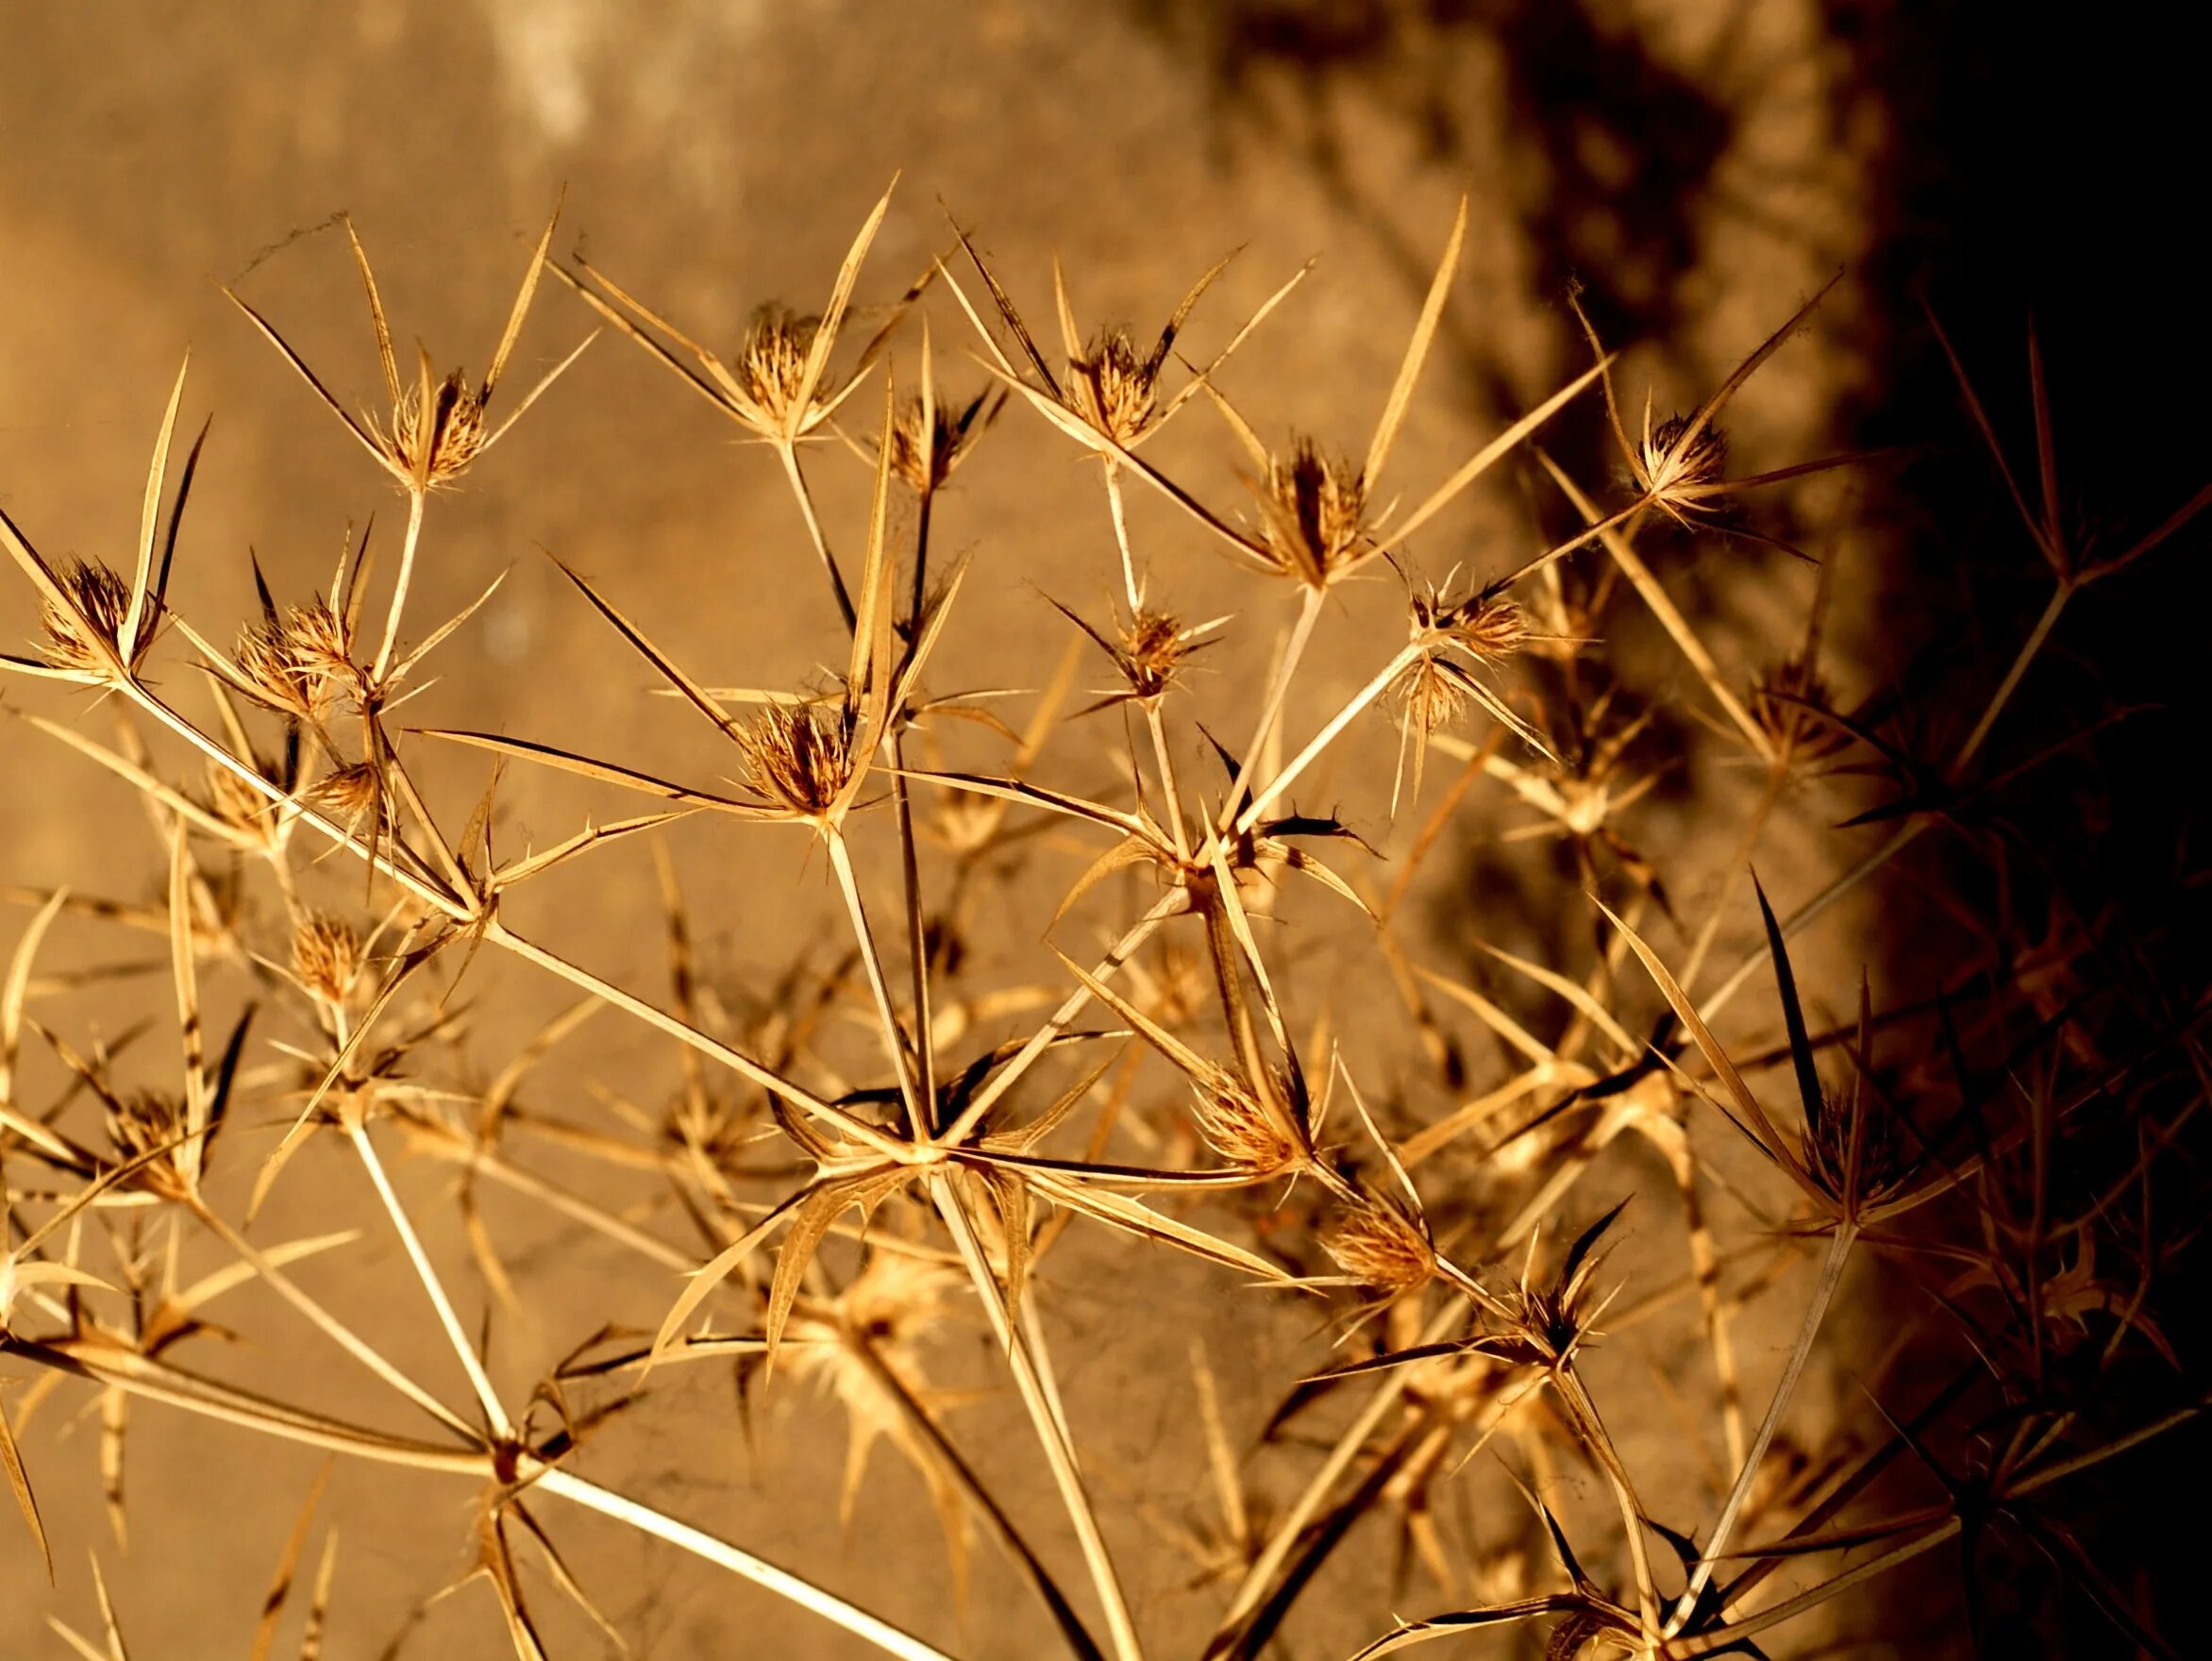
(1378, 1245)
(1114, 388)
(925, 458)
(85, 638)
(798, 756)
(1313, 510)
(1679, 463)
(350, 791)
(235, 802)
(436, 431)
(1488, 625)
(772, 363)
(304, 664)
(1238, 1126)
(326, 957)
(1430, 691)
(1792, 705)
(151, 1127)
(1855, 1154)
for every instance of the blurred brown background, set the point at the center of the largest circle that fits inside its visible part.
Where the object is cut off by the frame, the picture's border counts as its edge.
(1699, 166)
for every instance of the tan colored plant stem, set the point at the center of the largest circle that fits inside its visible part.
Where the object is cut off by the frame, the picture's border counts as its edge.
(645, 1520)
(1301, 631)
(1118, 510)
(222, 1403)
(1831, 1264)
(1327, 737)
(415, 500)
(1070, 1007)
(330, 1326)
(788, 453)
(2013, 675)
(1044, 1416)
(487, 1397)
(895, 1044)
(1170, 799)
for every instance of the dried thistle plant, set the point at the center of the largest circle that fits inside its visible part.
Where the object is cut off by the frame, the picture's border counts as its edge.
(839, 1179)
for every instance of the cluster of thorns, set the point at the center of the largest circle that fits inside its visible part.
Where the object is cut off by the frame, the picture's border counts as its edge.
(946, 1166)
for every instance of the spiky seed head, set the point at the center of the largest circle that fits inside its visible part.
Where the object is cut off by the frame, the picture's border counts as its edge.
(1490, 626)
(1237, 1126)
(237, 803)
(1430, 691)
(348, 792)
(1312, 512)
(437, 442)
(264, 660)
(1153, 646)
(1884, 1163)
(320, 644)
(923, 460)
(1788, 703)
(302, 664)
(1672, 467)
(143, 1121)
(1116, 387)
(798, 756)
(85, 640)
(772, 363)
(954, 432)
(326, 957)
(1377, 1244)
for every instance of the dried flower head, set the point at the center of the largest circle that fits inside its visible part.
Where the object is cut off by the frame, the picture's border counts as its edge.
(349, 791)
(1379, 1243)
(1238, 1126)
(1450, 642)
(435, 431)
(304, 663)
(929, 438)
(772, 361)
(1488, 625)
(86, 639)
(326, 956)
(1147, 650)
(1313, 515)
(1792, 705)
(237, 803)
(147, 1122)
(1681, 464)
(779, 389)
(1113, 389)
(799, 756)
(435, 427)
(1856, 1153)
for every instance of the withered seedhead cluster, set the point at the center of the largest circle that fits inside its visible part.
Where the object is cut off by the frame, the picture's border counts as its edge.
(433, 438)
(799, 756)
(325, 956)
(1858, 1152)
(302, 664)
(85, 641)
(923, 460)
(1239, 1128)
(1793, 706)
(1377, 1243)
(1313, 514)
(1114, 388)
(1672, 466)
(772, 359)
